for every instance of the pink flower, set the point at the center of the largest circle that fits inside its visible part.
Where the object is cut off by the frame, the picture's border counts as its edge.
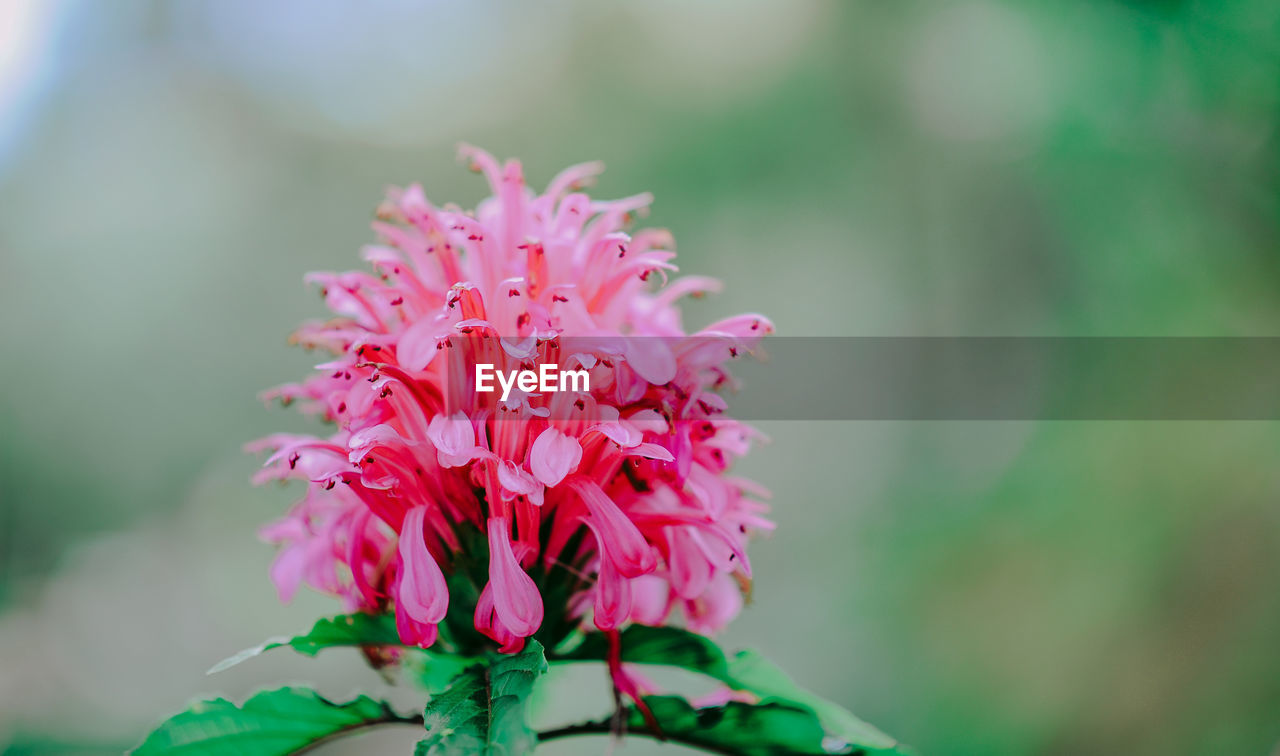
(615, 498)
(422, 591)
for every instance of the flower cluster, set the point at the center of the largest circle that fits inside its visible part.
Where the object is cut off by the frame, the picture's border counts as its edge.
(615, 503)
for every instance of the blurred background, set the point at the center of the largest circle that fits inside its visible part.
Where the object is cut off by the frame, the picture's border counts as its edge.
(169, 170)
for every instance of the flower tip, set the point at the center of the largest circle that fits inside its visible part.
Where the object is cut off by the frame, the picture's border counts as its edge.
(477, 160)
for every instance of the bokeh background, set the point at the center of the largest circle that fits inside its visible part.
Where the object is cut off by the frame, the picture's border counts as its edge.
(169, 170)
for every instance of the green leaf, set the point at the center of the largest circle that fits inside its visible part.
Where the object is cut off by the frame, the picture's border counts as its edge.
(271, 723)
(430, 669)
(747, 671)
(670, 646)
(483, 709)
(735, 729)
(752, 672)
(343, 630)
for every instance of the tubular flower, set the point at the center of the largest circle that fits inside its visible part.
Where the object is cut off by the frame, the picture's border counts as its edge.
(607, 504)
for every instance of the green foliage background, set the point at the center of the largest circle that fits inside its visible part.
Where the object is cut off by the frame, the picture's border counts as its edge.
(981, 168)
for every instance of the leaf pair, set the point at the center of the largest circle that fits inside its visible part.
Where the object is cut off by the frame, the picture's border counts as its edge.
(746, 671)
(481, 712)
(735, 729)
(479, 706)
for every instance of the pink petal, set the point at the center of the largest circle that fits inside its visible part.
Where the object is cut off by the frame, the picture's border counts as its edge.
(650, 600)
(412, 632)
(516, 482)
(622, 434)
(516, 600)
(714, 608)
(612, 603)
(650, 421)
(490, 626)
(286, 572)
(417, 345)
(691, 571)
(454, 438)
(553, 456)
(422, 591)
(619, 538)
(651, 358)
(651, 451)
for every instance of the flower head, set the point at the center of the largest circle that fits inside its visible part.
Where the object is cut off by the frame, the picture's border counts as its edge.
(609, 504)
